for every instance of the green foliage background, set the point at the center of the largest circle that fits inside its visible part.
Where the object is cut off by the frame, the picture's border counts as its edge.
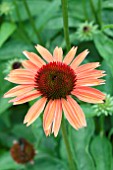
(20, 31)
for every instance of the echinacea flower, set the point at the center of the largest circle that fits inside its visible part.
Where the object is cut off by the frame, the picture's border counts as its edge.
(54, 81)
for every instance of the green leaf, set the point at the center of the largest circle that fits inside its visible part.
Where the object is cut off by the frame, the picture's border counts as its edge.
(6, 31)
(46, 162)
(13, 49)
(88, 110)
(47, 144)
(47, 14)
(101, 150)
(36, 8)
(4, 103)
(107, 87)
(104, 46)
(7, 163)
(80, 141)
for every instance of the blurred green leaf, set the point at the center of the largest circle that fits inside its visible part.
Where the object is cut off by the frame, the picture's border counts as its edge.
(88, 110)
(24, 132)
(107, 87)
(47, 14)
(4, 103)
(7, 163)
(46, 144)
(104, 46)
(6, 31)
(13, 49)
(46, 162)
(101, 150)
(36, 8)
(80, 141)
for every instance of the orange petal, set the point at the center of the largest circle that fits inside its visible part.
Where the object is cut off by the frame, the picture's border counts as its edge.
(26, 97)
(35, 111)
(34, 58)
(57, 118)
(21, 89)
(30, 66)
(21, 71)
(49, 116)
(69, 57)
(77, 110)
(87, 67)
(44, 53)
(77, 61)
(57, 54)
(88, 94)
(90, 74)
(89, 82)
(21, 80)
(71, 114)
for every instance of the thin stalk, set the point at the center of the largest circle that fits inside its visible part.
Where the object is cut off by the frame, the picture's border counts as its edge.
(65, 22)
(21, 31)
(102, 118)
(32, 22)
(84, 9)
(100, 12)
(69, 153)
(95, 13)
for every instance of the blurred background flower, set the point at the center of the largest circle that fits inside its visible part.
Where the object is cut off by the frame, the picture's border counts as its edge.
(85, 31)
(105, 108)
(12, 65)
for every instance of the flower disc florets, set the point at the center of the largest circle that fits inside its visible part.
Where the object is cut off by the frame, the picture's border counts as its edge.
(55, 80)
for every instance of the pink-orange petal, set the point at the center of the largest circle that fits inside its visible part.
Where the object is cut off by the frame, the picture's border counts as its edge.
(57, 118)
(18, 90)
(35, 111)
(89, 82)
(88, 94)
(30, 66)
(70, 114)
(44, 53)
(21, 80)
(78, 111)
(34, 58)
(49, 116)
(21, 71)
(90, 74)
(77, 61)
(87, 67)
(57, 54)
(70, 55)
(25, 97)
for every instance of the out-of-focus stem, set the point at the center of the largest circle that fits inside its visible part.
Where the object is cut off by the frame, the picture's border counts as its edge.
(22, 31)
(32, 21)
(65, 23)
(95, 13)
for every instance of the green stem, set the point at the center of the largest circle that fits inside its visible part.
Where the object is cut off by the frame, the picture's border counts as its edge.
(69, 153)
(21, 31)
(32, 22)
(102, 118)
(95, 13)
(84, 9)
(100, 12)
(65, 22)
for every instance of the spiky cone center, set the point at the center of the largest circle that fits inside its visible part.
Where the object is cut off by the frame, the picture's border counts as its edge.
(55, 80)
(22, 151)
